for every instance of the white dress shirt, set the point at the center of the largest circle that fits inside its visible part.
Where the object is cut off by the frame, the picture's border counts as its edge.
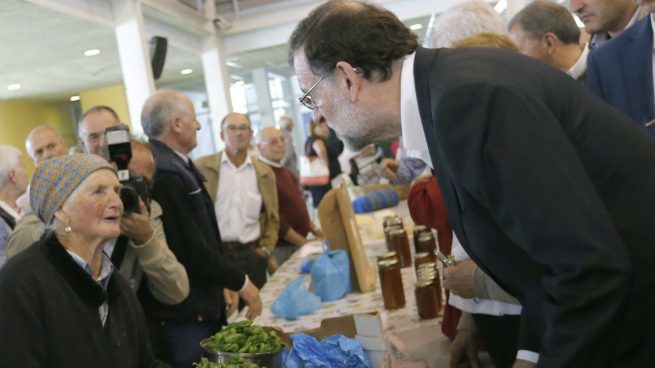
(11, 211)
(580, 65)
(238, 201)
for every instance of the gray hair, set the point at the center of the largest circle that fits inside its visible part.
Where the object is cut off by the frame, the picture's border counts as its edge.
(10, 157)
(465, 20)
(158, 110)
(540, 17)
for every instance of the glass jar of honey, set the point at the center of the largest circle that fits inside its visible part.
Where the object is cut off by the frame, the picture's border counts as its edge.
(387, 240)
(391, 283)
(400, 243)
(425, 243)
(427, 301)
(418, 230)
(392, 220)
(423, 258)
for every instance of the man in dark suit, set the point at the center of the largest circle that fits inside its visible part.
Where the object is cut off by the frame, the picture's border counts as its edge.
(191, 230)
(621, 73)
(549, 190)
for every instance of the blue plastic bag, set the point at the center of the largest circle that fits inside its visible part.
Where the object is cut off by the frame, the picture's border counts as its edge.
(331, 275)
(333, 352)
(375, 201)
(295, 301)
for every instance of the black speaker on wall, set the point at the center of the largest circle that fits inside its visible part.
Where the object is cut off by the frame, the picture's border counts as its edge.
(158, 46)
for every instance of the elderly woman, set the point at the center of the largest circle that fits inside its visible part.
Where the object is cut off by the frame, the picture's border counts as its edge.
(61, 305)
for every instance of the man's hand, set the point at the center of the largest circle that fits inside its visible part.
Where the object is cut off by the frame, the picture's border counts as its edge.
(523, 364)
(460, 279)
(252, 298)
(463, 351)
(389, 168)
(136, 226)
(318, 233)
(231, 302)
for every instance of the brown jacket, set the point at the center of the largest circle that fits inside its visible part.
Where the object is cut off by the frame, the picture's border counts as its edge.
(269, 218)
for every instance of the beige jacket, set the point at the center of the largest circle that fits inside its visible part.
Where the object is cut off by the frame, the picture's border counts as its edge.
(167, 278)
(269, 218)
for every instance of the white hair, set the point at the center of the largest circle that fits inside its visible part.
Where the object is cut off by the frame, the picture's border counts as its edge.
(465, 20)
(10, 157)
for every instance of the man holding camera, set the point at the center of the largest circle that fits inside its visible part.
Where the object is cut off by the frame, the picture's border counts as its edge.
(141, 249)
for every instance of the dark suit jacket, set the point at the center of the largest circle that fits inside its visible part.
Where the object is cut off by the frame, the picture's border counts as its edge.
(192, 234)
(551, 193)
(621, 73)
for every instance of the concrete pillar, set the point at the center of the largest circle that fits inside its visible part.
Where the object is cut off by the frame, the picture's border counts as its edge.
(217, 82)
(260, 82)
(134, 54)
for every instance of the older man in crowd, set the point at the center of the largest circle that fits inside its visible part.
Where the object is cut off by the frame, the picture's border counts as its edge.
(91, 129)
(190, 224)
(13, 183)
(547, 31)
(621, 73)
(290, 159)
(244, 194)
(295, 223)
(548, 189)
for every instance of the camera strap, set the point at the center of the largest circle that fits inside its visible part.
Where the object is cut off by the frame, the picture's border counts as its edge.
(118, 254)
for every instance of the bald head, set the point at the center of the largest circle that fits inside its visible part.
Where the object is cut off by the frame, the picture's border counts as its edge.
(270, 142)
(169, 116)
(44, 142)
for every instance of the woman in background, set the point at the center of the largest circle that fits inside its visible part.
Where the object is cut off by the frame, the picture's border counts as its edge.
(324, 144)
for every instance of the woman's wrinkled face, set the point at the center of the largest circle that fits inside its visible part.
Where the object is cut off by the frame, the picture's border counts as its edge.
(94, 209)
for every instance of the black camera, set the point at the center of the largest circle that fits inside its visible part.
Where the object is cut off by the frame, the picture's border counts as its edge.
(119, 149)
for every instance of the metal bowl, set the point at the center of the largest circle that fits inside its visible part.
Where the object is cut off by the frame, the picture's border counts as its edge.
(263, 360)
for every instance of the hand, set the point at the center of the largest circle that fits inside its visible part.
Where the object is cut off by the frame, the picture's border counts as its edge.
(252, 298)
(389, 168)
(460, 279)
(136, 226)
(463, 351)
(523, 364)
(368, 150)
(318, 233)
(231, 302)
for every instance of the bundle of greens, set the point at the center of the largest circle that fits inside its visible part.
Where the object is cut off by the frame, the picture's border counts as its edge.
(243, 337)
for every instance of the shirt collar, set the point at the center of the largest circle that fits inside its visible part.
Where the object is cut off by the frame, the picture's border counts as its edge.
(269, 162)
(226, 159)
(10, 210)
(183, 157)
(414, 141)
(106, 269)
(580, 65)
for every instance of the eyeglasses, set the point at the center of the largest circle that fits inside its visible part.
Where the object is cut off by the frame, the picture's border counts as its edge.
(234, 128)
(306, 99)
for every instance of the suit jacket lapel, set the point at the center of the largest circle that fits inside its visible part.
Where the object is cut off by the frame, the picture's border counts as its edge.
(637, 67)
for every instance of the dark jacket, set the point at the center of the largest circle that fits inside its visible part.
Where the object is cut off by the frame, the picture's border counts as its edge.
(550, 191)
(621, 73)
(49, 315)
(192, 234)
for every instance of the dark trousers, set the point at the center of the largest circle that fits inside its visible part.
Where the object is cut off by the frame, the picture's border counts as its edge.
(500, 336)
(318, 193)
(247, 260)
(181, 341)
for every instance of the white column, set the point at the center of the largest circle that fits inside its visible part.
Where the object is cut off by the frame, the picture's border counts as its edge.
(217, 82)
(260, 80)
(134, 56)
(514, 6)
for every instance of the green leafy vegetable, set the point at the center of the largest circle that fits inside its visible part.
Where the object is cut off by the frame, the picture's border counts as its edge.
(244, 337)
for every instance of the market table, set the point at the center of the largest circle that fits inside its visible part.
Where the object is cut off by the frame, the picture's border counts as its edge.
(401, 322)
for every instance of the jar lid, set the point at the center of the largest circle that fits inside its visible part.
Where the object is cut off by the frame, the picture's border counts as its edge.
(390, 228)
(424, 282)
(388, 255)
(420, 228)
(428, 265)
(398, 232)
(425, 236)
(385, 263)
(420, 255)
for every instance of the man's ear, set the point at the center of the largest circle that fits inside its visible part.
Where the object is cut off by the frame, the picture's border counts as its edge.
(353, 78)
(551, 42)
(176, 124)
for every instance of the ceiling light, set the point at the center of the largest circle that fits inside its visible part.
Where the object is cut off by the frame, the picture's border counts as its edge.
(500, 6)
(240, 83)
(416, 27)
(233, 64)
(13, 87)
(75, 98)
(186, 71)
(578, 22)
(91, 52)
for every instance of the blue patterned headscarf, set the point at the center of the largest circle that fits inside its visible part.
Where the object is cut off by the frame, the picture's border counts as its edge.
(55, 179)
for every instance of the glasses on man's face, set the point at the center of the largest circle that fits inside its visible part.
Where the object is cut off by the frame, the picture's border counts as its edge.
(306, 99)
(234, 128)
